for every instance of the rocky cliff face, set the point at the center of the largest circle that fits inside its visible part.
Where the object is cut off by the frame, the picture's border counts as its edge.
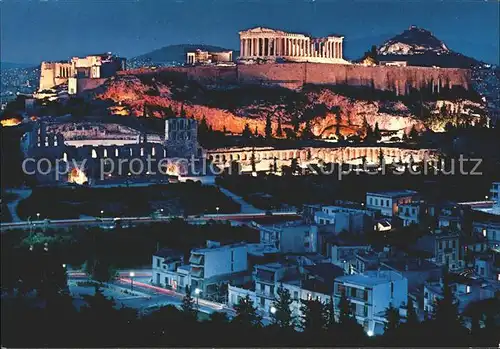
(230, 109)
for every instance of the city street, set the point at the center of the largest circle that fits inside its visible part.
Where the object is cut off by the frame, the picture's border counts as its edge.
(139, 294)
(110, 223)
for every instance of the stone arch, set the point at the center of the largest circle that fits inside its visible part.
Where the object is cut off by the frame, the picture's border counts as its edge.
(217, 158)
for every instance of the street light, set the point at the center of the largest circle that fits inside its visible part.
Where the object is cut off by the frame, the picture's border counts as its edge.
(102, 212)
(217, 209)
(197, 292)
(273, 310)
(64, 266)
(38, 216)
(486, 197)
(369, 333)
(131, 274)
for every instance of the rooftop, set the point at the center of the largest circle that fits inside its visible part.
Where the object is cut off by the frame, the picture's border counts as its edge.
(393, 194)
(370, 279)
(167, 253)
(410, 264)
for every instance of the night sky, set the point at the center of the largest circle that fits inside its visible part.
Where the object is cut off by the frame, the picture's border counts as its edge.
(36, 30)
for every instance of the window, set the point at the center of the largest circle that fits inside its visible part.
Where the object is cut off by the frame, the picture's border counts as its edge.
(353, 292)
(272, 289)
(295, 295)
(454, 244)
(482, 271)
(392, 289)
(440, 245)
(369, 201)
(262, 302)
(232, 256)
(309, 296)
(365, 295)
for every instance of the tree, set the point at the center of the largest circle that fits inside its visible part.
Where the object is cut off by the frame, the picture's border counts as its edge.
(314, 317)
(275, 165)
(188, 303)
(183, 112)
(405, 137)
(279, 131)
(376, 133)
(256, 132)
(367, 129)
(283, 315)
(338, 120)
(393, 319)
(413, 133)
(344, 309)
(294, 165)
(246, 132)
(246, 313)
(330, 314)
(269, 128)
(411, 315)
(381, 157)
(252, 160)
(306, 132)
(446, 311)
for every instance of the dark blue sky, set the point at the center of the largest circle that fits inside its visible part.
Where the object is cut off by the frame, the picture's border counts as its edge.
(35, 30)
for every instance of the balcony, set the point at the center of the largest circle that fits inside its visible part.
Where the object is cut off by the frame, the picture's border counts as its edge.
(197, 259)
(260, 293)
(197, 272)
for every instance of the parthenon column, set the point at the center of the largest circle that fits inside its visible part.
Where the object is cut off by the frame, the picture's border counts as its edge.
(340, 50)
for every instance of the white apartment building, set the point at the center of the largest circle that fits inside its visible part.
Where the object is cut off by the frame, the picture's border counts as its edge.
(489, 230)
(344, 219)
(465, 291)
(165, 264)
(216, 264)
(370, 295)
(267, 279)
(387, 203)
(316, 283)
(288, 237)
(410, 213)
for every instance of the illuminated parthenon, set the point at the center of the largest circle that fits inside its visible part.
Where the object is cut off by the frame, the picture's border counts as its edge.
(270, 44)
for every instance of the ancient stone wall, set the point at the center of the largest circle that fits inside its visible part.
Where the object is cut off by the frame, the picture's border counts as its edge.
(295, 75)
